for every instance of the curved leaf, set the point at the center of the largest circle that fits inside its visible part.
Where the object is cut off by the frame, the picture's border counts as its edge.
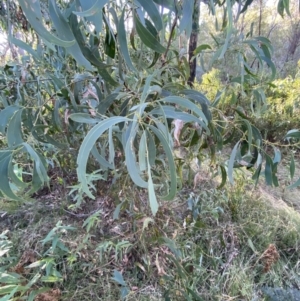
(172, 167)
(153, 13)
(5, 158)
(64, 31)
(5, 116)
(14, 131)
(187, 17)
(232, 161)
(146, 36)
(87, 145)
(91, 10)
(32, 11)
(123, 41)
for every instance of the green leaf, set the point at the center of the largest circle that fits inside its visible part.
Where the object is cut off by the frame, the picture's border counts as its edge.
(96, 18)
(26, 47)
(88, 54)
(257, 174)
(130, 158)
(292, 134)
(51, 279)
(232, 161)
(201, 47)
(118, 277)
(16, 180)
(171, 163)
(93, 10)
(101, 160)
(123, 41)
(151, 192)
(84, 118)
(271, 65)
(229, 29)
(296, 184)
(142, 152)
(5, 158)
(224, 177)
(292, 167)
(269, 170)
(5, 116)
(248, 2)
(14, 133)
(186, 21)
(146, 37)
(87, 145)
(154, 32)
(64, 31)
(151, 149)
(38, 163)
(169, 4)
(109, 43)
(32, 11)
(153, 13)
(10, 290)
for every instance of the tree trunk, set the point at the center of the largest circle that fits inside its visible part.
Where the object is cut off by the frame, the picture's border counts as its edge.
(193, 42)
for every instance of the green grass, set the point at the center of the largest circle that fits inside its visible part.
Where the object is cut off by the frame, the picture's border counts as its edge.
(212, 252)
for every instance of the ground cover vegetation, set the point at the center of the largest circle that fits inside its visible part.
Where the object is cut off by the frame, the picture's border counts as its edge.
(149, 150)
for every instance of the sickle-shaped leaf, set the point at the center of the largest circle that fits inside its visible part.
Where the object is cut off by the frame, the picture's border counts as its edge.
(4, 172)
(153, 13)
(147, 38)
(187, 104)
(201, 47)
(26, 47)
(91, 10)
(187, 17)
(232, 161)
(154, 32)
(96, 18)
(224, 177)
(169, 4)
(87, 145)
(143, 152)
(39, 163)
(172, 167)
(84, 118)
(64, 31)
(123, 41)
(130, 158)
(14, 178)
(88, 53)
(269, 170)
(5, 115)
(151, 192)
(292, 167)
(14, 133)
(296, 184)
(248, 2)
(32, 11)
